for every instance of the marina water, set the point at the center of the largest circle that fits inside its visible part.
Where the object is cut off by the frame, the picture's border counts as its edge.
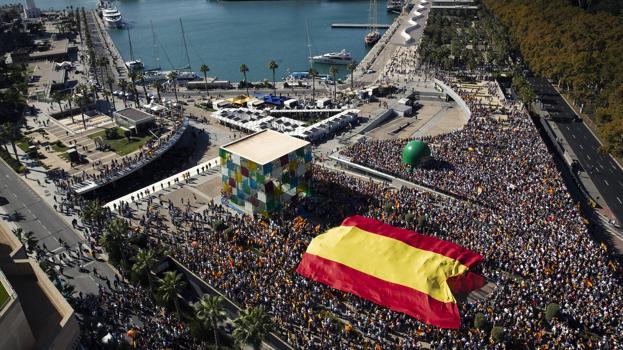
(226, 34)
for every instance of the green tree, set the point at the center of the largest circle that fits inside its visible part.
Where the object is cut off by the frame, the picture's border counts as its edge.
(351, 69)
(209, 311)
(170, 286)
(172, 76)
(313, 73)
(133, 76)
(10, 132)
(114, 241)
(251, 327)
(58, 98)
(205, 69)
(94, 214)
(272, 65)
(333, 71)
(144, 262)
(244, 69)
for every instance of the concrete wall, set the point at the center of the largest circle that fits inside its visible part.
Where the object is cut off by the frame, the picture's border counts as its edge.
(15, 333)
(65, 334)
(445, 88)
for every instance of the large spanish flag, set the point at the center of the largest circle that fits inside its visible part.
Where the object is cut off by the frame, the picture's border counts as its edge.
(396, 268)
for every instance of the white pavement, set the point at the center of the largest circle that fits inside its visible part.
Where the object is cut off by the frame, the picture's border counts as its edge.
(163, 184)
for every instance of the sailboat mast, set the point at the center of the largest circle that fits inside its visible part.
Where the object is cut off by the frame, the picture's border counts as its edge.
(130, 41)
(309, 48)
(185, 46)
(153, 38)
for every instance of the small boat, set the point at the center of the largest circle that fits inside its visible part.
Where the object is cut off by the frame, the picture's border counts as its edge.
(394, 6)
(135, 65)
(338, 58)
(372, 37)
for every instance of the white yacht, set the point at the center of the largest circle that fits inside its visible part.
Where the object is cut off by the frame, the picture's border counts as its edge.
(337, 58)
(110, 14)
(135, 65)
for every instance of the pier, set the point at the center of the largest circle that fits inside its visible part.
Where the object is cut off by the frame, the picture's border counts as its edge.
(359, 25)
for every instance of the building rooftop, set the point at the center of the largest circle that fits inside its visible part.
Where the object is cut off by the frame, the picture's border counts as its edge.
(135, 115)
(57, 47)
(264, 146)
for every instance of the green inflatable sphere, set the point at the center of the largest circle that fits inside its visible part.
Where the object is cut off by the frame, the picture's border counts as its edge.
(415, 152)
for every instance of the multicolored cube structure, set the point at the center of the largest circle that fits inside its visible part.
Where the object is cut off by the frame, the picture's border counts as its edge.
(264, 171)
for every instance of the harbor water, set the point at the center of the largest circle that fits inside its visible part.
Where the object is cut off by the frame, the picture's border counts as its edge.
(226, 34)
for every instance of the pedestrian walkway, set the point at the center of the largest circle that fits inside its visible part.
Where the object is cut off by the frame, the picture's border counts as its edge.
(158, 186)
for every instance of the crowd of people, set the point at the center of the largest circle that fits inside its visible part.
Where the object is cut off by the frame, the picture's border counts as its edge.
(534, 254)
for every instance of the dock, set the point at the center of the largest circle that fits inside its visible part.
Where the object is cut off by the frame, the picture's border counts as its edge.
(359, 25)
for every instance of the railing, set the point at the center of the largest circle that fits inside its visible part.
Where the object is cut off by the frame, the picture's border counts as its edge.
(160, 148)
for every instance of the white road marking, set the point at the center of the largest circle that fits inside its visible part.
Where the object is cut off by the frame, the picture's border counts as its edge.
(581, 147)
(573, 135)
(619, 199)
(606, 182)
(589, 157)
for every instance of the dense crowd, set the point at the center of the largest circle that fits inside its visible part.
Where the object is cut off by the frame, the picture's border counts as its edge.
(535, 255)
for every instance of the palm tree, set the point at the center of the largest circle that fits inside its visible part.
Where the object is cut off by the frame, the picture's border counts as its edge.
(102, 62)
(158, 86)
(4, 137)
(123, 84)
(209, 311)
(110, 82)
(351, 69)
(244, 69)
(144, 261)
(58, 98)
(273, 66)
(172, 76)
(133, 75)
(81, 100)
(251, 327)
(333, 71)
(94, 213)
(313, 73)
(69, 98)
(205, 69)
(114, 240)
(11, 133)
(170, 285)
(141, 77)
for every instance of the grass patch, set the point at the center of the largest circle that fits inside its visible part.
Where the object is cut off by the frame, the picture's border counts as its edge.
(4, 296)
(23, 144)
(14, 164)
(58, 146)
(121, 146)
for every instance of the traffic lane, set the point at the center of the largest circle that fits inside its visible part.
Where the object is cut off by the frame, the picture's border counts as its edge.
(602, 170)
(47, 228)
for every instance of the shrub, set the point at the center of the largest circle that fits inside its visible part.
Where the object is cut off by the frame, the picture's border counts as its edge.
(218, 225)
(388, 208)
(409, 218)
(228, 232)
(552, 311)
(497, 333)
(421, 221)
(479, 321)
(112, 134)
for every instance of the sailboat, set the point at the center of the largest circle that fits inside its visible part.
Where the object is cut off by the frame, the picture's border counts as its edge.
(183, 73)
(133, 65)
(373, 35)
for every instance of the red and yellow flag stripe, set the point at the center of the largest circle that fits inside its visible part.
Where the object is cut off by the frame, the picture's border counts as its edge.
(400, 269)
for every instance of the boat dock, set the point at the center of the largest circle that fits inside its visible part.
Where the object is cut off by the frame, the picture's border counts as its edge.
(359, 25)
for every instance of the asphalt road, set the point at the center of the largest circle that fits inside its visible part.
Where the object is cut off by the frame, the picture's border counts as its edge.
(48, 227)
(601, 168)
